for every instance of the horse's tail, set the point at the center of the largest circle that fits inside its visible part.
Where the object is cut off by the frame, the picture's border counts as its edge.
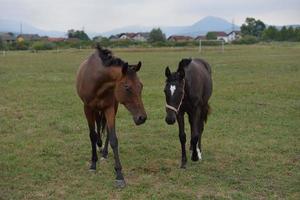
(206, 110)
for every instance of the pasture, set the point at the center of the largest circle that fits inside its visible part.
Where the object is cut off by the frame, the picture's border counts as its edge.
(251, 146)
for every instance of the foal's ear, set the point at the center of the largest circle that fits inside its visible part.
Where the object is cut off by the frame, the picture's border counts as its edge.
(138, 66)
(124, 68)
(167, 72)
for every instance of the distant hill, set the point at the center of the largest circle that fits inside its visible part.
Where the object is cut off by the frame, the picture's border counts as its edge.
(199, 28)
(14, 26)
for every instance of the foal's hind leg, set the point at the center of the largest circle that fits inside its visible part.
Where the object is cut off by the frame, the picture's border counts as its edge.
(199, 149)
(90, 116)
(194, 118)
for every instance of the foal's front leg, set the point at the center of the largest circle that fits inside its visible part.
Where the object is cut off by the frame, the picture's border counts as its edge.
(182, 138)
(113, 140)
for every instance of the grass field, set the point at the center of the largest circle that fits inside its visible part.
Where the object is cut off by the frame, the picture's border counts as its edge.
(251, 143)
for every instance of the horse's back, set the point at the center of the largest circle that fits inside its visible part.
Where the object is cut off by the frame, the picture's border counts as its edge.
(198, 76)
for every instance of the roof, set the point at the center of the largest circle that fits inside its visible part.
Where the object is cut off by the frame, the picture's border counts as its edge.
(143, 34)
(7, 36)
(53, 39)
(29, 36)
(129, 35)
(179, 37)
(219, 33)
(236, 32)
(202, 37)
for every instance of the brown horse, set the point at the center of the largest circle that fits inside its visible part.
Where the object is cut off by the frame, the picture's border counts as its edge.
(104, 81)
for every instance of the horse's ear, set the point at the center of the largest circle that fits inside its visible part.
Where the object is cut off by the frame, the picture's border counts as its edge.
(167, 72)
(138, 66)
(124, 68)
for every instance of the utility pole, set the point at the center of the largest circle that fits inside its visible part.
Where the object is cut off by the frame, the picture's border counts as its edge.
(21, 28)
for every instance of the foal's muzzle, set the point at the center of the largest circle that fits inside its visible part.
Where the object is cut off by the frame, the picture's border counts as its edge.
(140, 119)
(170, 118)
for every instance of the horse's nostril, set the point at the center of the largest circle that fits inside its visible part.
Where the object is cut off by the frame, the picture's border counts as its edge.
(140, 119)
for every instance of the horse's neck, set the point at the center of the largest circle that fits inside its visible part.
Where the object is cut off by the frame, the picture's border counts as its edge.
(109, 80)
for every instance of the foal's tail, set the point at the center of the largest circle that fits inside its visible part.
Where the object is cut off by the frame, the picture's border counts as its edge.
(206, 110)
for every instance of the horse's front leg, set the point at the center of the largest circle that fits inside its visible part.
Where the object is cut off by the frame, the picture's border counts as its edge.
(182, 138)
(113, 140)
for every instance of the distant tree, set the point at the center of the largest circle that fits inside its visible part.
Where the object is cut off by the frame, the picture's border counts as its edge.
(1, 44)
(291, 34)
(253, 27)
(283, 33)
(297, 34)
(270, 33)
(156, 35)
(99, 38)
(78, 34)
(211, 36)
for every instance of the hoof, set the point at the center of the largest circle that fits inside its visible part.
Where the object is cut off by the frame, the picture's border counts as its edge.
(104, 155)
(93, 166)
(103, 158)
(195, 158)
(120, 183)
(183, 166)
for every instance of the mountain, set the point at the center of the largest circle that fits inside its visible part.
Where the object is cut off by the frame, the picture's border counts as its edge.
(208, 24)
(199, 28)
(14, 26)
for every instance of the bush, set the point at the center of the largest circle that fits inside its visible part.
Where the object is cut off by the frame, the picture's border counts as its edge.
(43, 46)
(20, 45)
(247, 39)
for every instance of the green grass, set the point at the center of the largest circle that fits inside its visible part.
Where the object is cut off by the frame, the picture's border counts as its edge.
(251, 146)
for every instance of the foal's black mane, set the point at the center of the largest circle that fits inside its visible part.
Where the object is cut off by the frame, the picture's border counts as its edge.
(186, 61)
(107, 57)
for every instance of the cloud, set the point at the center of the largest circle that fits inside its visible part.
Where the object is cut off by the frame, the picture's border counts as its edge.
(104, 15)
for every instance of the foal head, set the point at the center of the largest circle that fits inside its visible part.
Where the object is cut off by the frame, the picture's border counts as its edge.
(128, 92)
(174, 93)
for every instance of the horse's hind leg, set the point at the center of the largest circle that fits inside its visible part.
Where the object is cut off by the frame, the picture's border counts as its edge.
(105, 148)
(98, 122)
(90, 116)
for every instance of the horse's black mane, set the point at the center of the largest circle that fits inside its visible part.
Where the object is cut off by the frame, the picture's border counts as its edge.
(107, 57)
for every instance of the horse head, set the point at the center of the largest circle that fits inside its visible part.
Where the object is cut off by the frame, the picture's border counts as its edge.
(128, 92)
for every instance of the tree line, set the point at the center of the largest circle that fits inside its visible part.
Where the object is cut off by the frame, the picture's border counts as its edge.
(259, 30)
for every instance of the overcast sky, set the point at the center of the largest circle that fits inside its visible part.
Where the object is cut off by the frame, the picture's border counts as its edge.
(104, 15)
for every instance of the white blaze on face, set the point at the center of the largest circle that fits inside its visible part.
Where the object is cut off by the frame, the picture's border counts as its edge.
(172, 88)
